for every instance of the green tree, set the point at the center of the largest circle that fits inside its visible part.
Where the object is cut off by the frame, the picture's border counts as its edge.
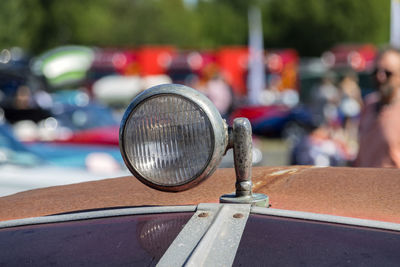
(221, 24)
(312, 26)
(19, 23)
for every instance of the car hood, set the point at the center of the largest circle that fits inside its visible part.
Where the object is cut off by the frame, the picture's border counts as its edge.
(366, 193)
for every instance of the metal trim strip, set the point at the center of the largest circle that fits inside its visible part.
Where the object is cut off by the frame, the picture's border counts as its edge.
(95, 215)
(210, 238)
(326, 218)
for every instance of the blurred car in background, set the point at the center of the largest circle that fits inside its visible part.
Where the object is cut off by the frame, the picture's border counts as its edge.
(80, 104)
(186, 66)
(337, 63)
(281, 68)
(356, 57)
(111, 61)
(22, 94)
(277, 120)
(75, 110)
(360, 57)
(64, 67)
(71, 112)
(23, 168)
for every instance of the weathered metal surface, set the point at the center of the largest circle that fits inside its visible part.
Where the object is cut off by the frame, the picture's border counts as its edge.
(242, 151)
(366, 193)
(255, 199)
(242, 154)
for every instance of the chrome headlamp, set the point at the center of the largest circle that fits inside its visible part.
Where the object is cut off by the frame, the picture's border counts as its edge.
(172, 137)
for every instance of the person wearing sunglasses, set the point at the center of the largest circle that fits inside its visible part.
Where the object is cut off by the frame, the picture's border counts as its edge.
(379, 130)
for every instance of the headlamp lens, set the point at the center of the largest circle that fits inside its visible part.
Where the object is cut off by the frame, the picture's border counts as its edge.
(168, 140)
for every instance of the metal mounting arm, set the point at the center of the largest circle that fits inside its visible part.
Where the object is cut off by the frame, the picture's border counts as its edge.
(241, 140)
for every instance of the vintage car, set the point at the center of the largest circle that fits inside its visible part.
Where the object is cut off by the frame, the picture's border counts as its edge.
(25, 167)
(277, 120)
(172, 139)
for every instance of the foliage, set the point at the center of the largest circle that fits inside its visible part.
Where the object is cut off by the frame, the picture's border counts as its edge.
(311, 26)
(19, 22)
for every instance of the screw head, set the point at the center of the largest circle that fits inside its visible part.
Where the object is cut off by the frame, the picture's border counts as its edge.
(238, 215)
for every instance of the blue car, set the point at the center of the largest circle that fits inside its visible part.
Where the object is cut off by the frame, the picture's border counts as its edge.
(40, 165)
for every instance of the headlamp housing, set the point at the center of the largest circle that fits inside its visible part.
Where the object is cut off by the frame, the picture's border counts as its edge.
(172, 137)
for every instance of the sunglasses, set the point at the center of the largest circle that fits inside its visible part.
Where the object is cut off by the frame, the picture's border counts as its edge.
(388, 73)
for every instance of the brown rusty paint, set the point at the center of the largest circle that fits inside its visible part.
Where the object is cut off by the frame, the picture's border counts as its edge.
(277, 174)
(353, 192)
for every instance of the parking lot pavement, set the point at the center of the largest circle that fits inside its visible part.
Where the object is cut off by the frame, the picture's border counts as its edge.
(275, 152)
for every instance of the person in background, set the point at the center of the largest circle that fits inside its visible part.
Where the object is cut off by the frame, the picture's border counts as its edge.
(350, 107)
(213, 85)
(325, 100)
(220, 94)
(379, 130)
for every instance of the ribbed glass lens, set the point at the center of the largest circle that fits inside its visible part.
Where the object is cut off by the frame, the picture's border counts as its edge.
(168, 140)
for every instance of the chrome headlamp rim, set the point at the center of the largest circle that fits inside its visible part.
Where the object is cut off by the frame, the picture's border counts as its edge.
(218, 125)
